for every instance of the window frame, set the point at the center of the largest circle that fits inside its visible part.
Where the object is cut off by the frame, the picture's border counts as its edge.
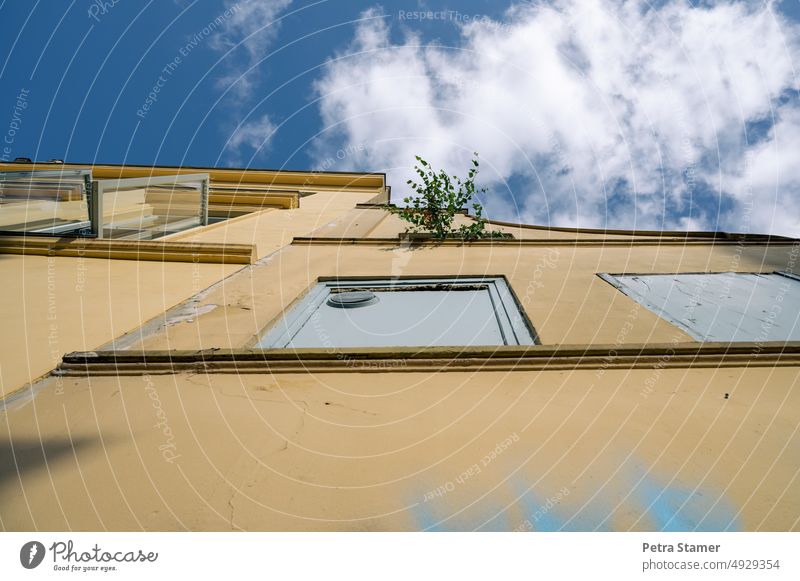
(93, 191)
(614, 280)
(77, 228)
(99, 188)
(515, 327)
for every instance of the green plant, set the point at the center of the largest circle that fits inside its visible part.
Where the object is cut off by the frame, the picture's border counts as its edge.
(439, 198)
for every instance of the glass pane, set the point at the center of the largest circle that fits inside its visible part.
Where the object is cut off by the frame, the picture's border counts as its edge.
(44, 202)
(151, 208)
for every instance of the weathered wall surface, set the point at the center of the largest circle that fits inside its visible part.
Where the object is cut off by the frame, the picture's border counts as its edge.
(384, 449)
(558, 286)
(272, 230)
(54, 305)
(581, 450)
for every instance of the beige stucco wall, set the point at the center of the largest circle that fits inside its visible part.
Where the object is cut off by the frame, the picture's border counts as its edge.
(558, 286)
(578, 450)
(531, 450)
(274, 229)
(54, 305)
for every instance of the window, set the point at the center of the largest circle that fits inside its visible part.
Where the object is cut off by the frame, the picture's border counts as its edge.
(70, 203)
(403, 312)
(45, 202)
(151, 207)
(727, 306)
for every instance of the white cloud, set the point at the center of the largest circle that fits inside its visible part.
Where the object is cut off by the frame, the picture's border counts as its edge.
(255, 134)
(252, 26)
(602, 112)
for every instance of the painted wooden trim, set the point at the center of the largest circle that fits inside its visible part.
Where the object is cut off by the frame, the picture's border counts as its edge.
(309, 179)
(110, 249)
(382, 360)
(233, 198)
(191, 232)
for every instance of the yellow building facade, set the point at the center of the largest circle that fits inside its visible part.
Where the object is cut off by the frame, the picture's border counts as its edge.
(192, 381)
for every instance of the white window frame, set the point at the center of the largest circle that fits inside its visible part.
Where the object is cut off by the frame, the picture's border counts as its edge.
(515, 327)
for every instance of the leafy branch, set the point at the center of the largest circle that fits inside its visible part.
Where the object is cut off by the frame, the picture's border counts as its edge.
(439, 198)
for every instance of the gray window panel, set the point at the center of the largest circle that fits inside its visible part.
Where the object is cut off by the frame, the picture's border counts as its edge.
(151, 207)
(726, 306)
(59, 202)
(408, 312)
(45, 202)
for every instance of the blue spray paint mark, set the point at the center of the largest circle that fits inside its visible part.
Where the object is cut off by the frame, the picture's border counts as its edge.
(497, 521)
(425, 517)
(677, 508)
(656, 505)
(537, 514)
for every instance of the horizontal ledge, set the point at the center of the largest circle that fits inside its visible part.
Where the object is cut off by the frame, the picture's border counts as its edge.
(716, 235)
(242, 197)
(536, 357)
(338, 241)
(243, 176)
(147, 250)
(664, 234)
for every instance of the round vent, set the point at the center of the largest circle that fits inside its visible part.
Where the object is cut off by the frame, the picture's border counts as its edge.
(352, 299)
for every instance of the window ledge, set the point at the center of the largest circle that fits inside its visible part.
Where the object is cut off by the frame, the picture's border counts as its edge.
(513, 358)
(146, 250)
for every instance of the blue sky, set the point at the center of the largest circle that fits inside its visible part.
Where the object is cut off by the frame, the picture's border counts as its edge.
(88, 77)
(567, 135)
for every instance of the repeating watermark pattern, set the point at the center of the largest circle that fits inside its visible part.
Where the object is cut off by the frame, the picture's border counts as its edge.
(161, 81)
(196, 285)
(80, 271)
(168, 449)
(100, 8)
(354, 363)
(772, 314)
(51, 314)
(444, 16)
(471, 471)
(350, 361)
(621, 338)
(547, 262)
(530, 523)
(15, 124)
(736, 259)
(168, 70)
(776, 308)
(341, 154)
(401, 256)
(650, 382)
(331, 161)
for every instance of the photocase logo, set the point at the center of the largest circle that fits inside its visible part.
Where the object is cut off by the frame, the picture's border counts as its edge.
(31, 554)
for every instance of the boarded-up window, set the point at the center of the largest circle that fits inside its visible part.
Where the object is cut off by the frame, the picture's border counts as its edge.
(406, 312)
(726, 306)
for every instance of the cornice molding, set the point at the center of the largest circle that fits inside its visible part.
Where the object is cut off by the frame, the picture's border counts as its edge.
(633, 241)
(148, 250)
(433, 359)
